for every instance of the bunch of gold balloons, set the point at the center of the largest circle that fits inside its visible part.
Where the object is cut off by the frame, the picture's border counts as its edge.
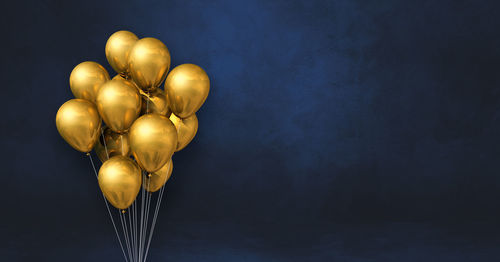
(141, 119)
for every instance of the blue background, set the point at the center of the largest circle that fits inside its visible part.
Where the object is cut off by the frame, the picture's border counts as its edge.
(334, 131)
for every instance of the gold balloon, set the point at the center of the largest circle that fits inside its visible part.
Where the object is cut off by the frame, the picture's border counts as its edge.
(186, 129)
(79, 124)
(119, 104)
(113, 144)
(148, 62)
(153, 139)
(120, 181)
(187, 88)
(157, 179)
(86, 80)
(155, 102)
(118, 49)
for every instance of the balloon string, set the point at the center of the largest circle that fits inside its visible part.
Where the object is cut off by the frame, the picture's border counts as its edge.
(146, 214)
(158, 203)
(135, 228)
(130, 219)
(104, 141)
(109, 212)
(128, 236)
(143, 220)
(148, 205)
(125, 234)
(136, 242)
(142, 216)
(131, 234)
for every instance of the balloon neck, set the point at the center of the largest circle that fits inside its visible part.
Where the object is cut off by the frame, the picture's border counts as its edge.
(124, 75)
(87, 154)
(123, 211)
(149, 175)
(141, 92)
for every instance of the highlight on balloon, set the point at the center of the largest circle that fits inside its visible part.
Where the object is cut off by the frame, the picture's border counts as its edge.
(134, 127)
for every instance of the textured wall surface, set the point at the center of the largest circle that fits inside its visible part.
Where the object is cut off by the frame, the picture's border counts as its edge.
(334, 131)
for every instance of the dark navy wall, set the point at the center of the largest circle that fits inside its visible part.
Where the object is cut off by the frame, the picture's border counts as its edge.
(334, 131)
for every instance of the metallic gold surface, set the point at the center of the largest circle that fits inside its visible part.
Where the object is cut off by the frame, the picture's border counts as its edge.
(119, 104)
(157, 179)
(148, 62)
(86, 80)
(120, 181)
(79, 124)
(153, 139)
(186, 129)
(187, 88)
(155, 102)
(118, 49)
(115, 143)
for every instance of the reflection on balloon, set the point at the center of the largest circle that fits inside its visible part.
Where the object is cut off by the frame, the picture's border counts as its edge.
(153, 139)
(113, 144)
(187, 88)
(119, 104)
(186, 129)
(148, 62)
(156, 180)
(118, 49)
(86, 80)
(120, 181)
(79, 124)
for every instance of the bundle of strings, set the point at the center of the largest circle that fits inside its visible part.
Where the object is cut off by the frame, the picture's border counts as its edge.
(134, 225)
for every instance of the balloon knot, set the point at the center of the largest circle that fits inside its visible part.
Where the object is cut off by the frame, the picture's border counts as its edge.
(123, 211)
(88, 154)
(149, 175)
